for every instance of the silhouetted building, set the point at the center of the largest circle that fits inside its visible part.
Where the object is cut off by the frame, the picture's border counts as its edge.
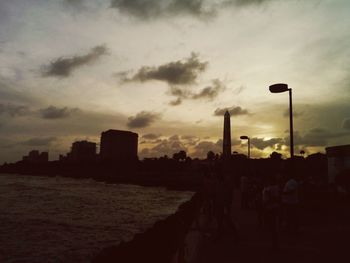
(35, 156)
(226, 145)
(44, 157)
(338, 160)
(82, 151)
(118, 145)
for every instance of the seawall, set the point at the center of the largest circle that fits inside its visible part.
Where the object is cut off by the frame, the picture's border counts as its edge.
(157, 244)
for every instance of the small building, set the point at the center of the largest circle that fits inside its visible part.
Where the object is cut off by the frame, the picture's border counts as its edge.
(82, 151)
(35, 156)
(117, 145)
(338, 160)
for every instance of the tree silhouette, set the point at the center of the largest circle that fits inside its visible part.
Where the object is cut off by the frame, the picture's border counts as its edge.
(275, 156)
(180, 156)
(210, 156)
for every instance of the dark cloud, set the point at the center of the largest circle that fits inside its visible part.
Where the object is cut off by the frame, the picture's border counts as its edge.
(174, 73)
(175, 143)
(203, 147)
(74, 3)
(39, 141)
(234, 111)
(176, 102)
(142, 119)
(196, 8)
(210, 92)
(152, 9)
(261, 143)
(138, 8)
(63, 67)
(207, 93)
(241, 3)
(164, 147)
(182, 93)
(14, 110)
(179, 75)
(317, 137)
(53, 112)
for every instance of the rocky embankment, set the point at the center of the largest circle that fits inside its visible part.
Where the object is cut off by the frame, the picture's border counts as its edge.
(157, 244)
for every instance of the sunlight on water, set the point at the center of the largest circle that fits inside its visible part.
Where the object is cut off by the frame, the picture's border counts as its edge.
(56, 219)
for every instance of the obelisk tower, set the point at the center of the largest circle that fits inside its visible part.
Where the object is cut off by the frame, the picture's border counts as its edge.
(226, 145)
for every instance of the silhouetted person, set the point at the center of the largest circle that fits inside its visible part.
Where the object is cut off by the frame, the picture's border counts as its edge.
(208, 191)
(258, 201)
(223, 202)
(271, 207)
(290, 201)
(244, 192)
(228, 192)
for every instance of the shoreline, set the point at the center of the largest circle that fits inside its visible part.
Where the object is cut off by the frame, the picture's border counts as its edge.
(177, 182)
(158, 244)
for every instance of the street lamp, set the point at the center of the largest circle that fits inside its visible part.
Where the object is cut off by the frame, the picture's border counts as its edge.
(247, 138)
(279, 88)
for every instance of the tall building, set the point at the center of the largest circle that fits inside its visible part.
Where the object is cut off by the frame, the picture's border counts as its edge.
(83, 151)
(226, 145)
(118, 145)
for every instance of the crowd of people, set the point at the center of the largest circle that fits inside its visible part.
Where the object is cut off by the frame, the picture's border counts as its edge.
(274, 197)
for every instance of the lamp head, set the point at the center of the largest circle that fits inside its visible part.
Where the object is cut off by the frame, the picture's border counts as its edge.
(278, 88)
(244, 137)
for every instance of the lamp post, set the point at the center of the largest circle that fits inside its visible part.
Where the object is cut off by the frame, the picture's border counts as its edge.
(279, 88)
(247, 138)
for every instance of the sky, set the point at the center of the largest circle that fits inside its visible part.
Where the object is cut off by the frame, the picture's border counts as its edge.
(168, 70)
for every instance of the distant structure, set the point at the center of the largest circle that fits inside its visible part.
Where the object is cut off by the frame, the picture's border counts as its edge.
(338, 160)
(226, 145)
(118, 145)
(83, 151)
(35, 156)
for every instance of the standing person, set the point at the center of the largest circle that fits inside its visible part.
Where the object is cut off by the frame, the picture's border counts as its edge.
(223, 202)
(228, 192)
(219, 203)
(258, 202)
(290, 200)
(229, 196)
(208, 194)
(271, 207)
(244, 192)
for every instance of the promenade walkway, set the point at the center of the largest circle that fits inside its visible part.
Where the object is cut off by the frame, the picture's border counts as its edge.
(324, 241)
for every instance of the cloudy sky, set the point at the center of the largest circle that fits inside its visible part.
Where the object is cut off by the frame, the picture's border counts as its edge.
(168, 69)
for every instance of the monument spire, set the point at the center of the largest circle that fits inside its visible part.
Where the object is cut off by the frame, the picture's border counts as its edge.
(226, 146)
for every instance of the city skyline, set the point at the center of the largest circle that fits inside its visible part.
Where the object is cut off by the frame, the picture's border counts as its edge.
(168, 70)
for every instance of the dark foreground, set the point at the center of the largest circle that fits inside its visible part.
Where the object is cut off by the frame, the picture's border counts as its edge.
(189, 236)
(323, 237)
